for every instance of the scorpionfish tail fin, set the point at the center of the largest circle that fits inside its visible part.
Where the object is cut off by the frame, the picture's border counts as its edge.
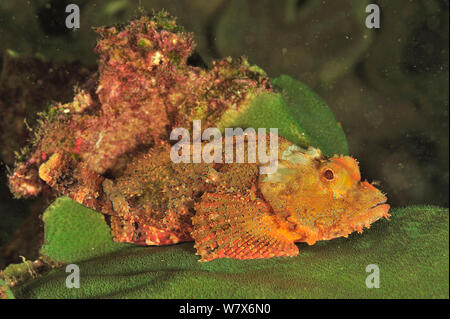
(237, 226)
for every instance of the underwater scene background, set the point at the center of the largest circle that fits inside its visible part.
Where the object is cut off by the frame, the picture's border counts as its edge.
(387, 87)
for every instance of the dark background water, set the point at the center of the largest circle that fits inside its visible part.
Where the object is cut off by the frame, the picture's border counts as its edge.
(388, 87)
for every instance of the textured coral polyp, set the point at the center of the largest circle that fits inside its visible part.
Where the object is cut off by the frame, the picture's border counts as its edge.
(145, 87)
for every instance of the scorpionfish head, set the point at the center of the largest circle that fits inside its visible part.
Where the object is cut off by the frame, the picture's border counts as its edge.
(320, 198)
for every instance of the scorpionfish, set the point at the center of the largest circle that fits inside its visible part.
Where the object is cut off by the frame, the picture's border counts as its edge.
(229, 210)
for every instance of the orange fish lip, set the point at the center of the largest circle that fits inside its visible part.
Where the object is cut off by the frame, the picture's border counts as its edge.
(379, 210)
(379, 204)
(371, 215)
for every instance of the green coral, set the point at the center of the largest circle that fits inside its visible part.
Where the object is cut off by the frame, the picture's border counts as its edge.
(300, 115)
(74, 233)
(411, 251)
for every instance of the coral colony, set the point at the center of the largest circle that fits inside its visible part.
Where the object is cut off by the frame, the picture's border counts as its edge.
(116, 148)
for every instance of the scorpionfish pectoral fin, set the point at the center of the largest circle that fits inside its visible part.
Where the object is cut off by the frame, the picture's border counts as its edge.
(237, 226)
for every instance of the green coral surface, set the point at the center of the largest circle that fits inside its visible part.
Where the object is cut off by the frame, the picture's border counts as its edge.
(76, 234)
(300, 115)
(411, 251)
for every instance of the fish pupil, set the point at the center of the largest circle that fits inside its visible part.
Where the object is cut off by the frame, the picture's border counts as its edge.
(328, 174)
